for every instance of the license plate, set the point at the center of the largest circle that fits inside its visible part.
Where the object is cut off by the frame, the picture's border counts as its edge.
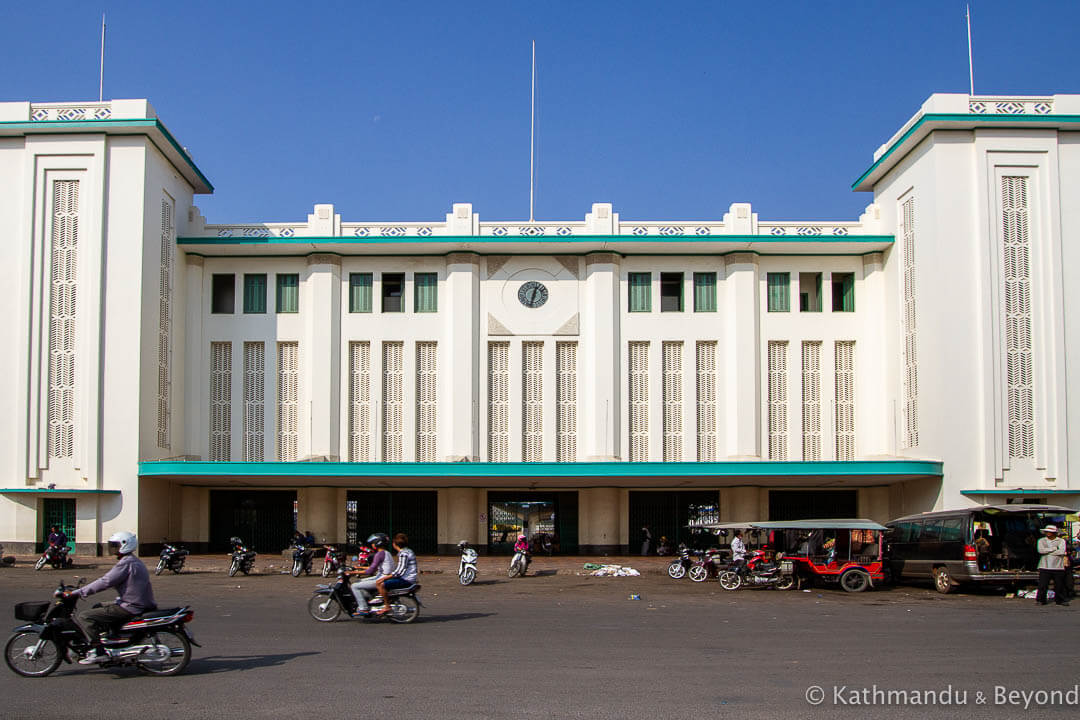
(786, 566)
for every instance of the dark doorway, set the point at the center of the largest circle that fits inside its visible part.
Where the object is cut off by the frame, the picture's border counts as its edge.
(667, 513)
(263, 519)
(813, 504)
(61, 513)
(413, 512)
(548, 519)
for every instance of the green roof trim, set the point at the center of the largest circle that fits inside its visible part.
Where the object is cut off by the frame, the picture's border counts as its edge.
(352, 240)
(59, 491)
(960, 117)
(37, 126)
(1021, 491)
(170, 468)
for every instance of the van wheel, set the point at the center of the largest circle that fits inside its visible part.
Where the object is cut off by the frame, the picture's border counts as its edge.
(943, 581)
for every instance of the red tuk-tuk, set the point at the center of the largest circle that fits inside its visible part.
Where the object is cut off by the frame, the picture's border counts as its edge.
(847, 552)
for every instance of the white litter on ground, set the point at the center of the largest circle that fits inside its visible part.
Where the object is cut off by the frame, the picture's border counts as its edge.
(614, 571)
(1030, 594)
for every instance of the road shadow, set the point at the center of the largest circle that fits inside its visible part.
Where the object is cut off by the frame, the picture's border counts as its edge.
(225, 663)
(487, 582)
(542, 573)
(453, 618)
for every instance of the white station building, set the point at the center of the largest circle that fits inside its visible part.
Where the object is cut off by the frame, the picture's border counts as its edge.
(460, 379)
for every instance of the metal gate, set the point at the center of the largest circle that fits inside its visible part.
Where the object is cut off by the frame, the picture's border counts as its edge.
(413, 512)
(813, 504)
(61, 513)
(263, 519)
(551, 514)
(667, 513)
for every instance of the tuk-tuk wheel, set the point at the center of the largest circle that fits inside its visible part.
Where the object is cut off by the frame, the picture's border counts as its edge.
(855, 580)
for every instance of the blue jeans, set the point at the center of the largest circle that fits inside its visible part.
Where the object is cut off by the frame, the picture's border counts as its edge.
(396, 583)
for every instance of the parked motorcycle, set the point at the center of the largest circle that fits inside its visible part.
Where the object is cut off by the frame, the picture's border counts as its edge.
(467, 566)
(330, 601)
(678, 567)
(172, 558)
(55, 555)
(759, 571)
(301, 559)
(708, 565)
(519, 564)
(156, 642)
(333, 561)
(242, 558)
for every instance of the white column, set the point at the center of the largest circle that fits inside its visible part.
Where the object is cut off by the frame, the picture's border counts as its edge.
(873, 420)
(320, 358)
(741, 352)
(196, 380)
(459, 373)
(600, 398)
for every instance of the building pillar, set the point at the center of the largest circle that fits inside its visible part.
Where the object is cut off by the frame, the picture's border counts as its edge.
(741, 352)
(459, 510)
(197, 382)
(320, 358)
(459, 378)
(195, 518)
(317, 510)
(598, 521)
(600, 359)
(873, 422)
(873, 503)
(741, 504)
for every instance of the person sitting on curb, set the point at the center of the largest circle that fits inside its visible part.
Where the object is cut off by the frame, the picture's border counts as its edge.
(404, 575)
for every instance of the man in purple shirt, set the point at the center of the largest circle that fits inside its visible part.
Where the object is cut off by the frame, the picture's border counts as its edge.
(131, 580)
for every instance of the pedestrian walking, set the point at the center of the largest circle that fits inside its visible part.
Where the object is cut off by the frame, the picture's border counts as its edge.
(646, 539)
(1051, 566)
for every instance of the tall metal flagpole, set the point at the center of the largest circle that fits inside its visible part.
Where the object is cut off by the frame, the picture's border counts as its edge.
(101, 74)
(532, 133)
(971, 66)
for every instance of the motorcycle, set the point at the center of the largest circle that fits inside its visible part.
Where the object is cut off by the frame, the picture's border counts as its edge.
(156, 642)
(55, 555)
(467, 567)
(242, 558)
(301, 559)
(708, 565)
(330, 601)
(172, 558)
(519, 564)
(333, 561)
(759, 571)
(678, 567)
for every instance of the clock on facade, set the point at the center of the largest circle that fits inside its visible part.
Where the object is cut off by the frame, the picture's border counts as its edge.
(532, 294)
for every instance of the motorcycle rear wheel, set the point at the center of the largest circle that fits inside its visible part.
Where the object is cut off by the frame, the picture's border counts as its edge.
(404, 609)
(40, 563)
(324, 608)
(730, 580)
(698, 573)
(676, 571)
(786, 583)
(178, 658)
(177, 567)
(467, 576)
(15, 654)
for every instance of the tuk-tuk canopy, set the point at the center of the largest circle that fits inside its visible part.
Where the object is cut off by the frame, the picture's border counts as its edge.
(825, 524)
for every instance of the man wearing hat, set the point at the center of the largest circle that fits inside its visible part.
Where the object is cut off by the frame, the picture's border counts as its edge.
(1051, 565)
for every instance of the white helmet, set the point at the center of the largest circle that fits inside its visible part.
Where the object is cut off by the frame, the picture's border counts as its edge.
(127, 541)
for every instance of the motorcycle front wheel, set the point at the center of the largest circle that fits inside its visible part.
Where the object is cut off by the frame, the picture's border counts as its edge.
(234, 567)
(404, 609)
(160, 567)
(297, 568)
(676, 571)
(326, 570)
(169, 653)
(18, 653)
(40, 563)
(698, 573)
(730, 580)
(467, 576)
(514, 570)
(324, 608)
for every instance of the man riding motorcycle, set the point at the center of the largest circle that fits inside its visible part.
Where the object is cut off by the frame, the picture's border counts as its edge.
(57, 537)
(381, 564)
(131, 579)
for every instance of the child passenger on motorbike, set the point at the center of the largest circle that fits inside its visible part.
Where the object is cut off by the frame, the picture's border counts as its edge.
(381, 564)
(404, 574)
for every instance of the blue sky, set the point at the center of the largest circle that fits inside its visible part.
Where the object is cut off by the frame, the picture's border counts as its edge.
(670, 110)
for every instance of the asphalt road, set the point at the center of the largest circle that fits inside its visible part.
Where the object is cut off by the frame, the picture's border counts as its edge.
(565, 646)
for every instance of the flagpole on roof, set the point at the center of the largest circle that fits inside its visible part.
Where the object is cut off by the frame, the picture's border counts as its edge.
(101, 73)
(971, 66)
(532, 134)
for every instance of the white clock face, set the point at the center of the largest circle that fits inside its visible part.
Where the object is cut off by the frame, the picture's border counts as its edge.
(532, 294)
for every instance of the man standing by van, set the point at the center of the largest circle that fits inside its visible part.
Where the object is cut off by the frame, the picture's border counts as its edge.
(1051, 566)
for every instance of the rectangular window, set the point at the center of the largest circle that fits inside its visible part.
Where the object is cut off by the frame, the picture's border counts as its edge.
(223, 294)
(393, 292)
(779, 285)
(671, 292)
(809, 292)
(426, 292)
(705, 292)
(359, 292)
(288, 401)
(220, 401)
(288, 293)
(255, 293)
(843, 292)
(640, 292)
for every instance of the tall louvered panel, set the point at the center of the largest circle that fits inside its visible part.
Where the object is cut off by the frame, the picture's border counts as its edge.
(220, 402)
(845, 399)
(1019, 361)
(706, 401)
(498, 402)
(566, 401)
(778, 400)
(254, 405)
(427, 417)
(393, 401)
(288, 402)
(359, 401)
(63, 288)
(671, 353)
(811, 400)
(639, 401)
(910, 408)
(532, 401)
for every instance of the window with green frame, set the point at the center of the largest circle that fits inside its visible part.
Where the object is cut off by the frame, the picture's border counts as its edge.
(779, 285)
(640, 299)
(360, 292)
(843, 292)
(255, 293)
(288, 293)
(426, 292)
(704, 292)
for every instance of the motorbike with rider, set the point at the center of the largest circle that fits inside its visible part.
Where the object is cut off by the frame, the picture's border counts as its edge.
(519, 564)
(382, 563)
